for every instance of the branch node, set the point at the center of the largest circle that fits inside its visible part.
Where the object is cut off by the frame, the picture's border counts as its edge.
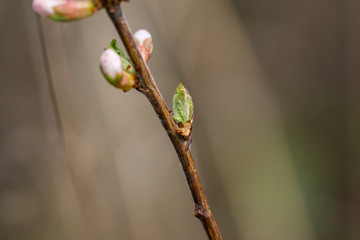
(200, 213)
(188, 142)
(107, 3)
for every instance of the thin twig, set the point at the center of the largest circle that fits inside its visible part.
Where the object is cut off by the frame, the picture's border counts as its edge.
(59, 125)
(148, 86)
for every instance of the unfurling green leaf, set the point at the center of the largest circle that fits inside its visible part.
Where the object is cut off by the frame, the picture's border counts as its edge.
(126, 63)
(182, 105)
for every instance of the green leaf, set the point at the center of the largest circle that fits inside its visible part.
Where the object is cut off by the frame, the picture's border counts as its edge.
(182, 105)
(126, 63)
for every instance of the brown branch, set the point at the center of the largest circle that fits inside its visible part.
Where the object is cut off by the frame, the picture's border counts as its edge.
(148, 86)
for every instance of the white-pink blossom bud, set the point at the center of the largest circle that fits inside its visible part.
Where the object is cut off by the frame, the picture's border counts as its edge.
(111, 67)
(64, 10)
(111, 63)
(144, 42)
(46, 7)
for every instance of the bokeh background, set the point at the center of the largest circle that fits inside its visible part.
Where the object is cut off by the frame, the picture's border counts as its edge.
(276, 135)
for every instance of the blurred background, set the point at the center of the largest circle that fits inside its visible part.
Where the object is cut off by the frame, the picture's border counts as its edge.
(276, 133)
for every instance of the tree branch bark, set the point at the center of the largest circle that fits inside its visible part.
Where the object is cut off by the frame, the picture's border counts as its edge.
(147, 86)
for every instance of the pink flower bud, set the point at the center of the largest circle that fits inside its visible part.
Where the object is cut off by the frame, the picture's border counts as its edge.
(111, 63)
(46, 7)
(111, 67)
(64, 10)
(144, 41)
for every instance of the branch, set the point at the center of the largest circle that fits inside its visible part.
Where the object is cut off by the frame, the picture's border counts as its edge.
(148, 87)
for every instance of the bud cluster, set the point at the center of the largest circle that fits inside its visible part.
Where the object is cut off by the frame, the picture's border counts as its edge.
(117, 68)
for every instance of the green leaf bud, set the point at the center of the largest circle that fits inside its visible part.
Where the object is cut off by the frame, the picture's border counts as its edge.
(183, 110)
